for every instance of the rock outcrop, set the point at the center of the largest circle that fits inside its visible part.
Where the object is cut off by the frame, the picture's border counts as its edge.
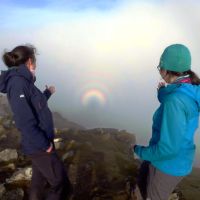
(8, 155)
(98, 163)
(4, 107)
(23, 174)
(62, 123)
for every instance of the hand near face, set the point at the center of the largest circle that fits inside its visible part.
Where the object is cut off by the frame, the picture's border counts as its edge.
(161, 84)
(52, 89)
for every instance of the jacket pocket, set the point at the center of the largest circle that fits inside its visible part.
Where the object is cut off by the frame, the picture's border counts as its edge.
(39, 103)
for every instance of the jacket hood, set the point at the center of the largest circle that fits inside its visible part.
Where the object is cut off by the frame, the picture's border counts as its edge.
(190, 90)
(5, 76)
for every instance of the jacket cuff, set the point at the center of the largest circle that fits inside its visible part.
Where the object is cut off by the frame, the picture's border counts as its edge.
(47, 93)
(138, 150)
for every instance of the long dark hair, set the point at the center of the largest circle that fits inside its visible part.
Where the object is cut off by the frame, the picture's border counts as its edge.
(193, 76)
(19, 55)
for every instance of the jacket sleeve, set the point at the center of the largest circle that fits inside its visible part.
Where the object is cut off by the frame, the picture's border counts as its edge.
(47, 94)
(24, 118)
(171, 133)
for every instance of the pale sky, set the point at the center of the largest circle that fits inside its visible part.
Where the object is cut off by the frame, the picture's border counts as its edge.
(102, 55)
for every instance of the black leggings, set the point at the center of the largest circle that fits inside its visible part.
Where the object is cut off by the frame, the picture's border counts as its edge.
(49, 178)
(142, 179)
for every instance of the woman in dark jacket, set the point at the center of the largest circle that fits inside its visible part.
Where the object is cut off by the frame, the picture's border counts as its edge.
(34, 120)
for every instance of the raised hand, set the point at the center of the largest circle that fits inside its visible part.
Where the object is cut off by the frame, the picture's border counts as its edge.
(52, 89)
(161, 84)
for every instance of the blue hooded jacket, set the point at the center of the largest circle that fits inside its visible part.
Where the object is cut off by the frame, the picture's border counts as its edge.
(29, 105)
(171, 148)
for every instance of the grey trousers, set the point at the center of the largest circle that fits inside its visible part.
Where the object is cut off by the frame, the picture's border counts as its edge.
(159, 185)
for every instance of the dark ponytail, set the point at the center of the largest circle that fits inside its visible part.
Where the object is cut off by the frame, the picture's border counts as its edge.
(193, 76)
(19, 55)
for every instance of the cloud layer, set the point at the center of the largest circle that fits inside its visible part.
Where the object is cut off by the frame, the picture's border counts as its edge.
(111, 47)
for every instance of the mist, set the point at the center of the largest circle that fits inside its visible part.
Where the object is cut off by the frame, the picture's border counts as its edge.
(102, 57)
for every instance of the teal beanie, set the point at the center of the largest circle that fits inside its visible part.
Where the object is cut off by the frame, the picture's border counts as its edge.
(176, 58)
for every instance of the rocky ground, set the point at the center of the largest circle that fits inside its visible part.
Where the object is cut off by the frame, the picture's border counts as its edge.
(98, 162)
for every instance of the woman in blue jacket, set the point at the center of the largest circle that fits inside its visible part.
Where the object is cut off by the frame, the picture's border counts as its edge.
(34, 120)
(170, 153)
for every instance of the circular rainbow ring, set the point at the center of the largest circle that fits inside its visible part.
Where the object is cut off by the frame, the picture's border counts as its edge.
(91, 94)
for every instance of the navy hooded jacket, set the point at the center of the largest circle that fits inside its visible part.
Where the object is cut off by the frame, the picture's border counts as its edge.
(29, 105)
